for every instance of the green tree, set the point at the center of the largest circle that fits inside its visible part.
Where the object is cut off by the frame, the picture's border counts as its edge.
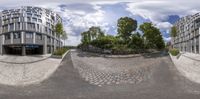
(92, 34)
(125, 28)
(136, 41)
(64, 36)
(95, 32)
(85, 38)
(152, 36)
(173, 32)
(104, 42)
(59, 30)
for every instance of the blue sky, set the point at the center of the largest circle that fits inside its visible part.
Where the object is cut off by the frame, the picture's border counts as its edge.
(78, 16)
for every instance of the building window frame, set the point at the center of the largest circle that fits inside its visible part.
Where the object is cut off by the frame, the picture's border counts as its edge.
(7, 36)
(16, 35)
(29, 35)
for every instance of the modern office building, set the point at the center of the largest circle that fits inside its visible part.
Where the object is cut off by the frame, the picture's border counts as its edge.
(28, 30)
(188, 30)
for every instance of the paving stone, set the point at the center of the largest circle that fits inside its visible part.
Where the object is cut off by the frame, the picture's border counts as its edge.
(114, 71)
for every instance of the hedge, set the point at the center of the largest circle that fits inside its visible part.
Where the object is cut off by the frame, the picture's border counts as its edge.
(174, 52)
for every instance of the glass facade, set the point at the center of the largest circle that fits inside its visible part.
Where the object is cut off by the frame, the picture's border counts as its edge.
(17, 35)
(30, 25)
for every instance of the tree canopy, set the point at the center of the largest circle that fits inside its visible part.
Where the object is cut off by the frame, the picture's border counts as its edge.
(173, 32)
(152, 36)
(92, 34)
(59, 29)
(126, 26)
(127, 41)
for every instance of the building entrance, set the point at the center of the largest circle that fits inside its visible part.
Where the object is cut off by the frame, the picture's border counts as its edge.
(18, 49)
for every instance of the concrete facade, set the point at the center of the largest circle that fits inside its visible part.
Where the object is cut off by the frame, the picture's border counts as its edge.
(28, 30)
(187, 39)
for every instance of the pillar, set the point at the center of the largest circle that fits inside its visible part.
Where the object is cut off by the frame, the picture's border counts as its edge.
(1, 44)
(195, 45)
(23, 50)
(54, 44)
(22, 37)
(34, 38)
(11, 38)
(45, 45)
(199, 44)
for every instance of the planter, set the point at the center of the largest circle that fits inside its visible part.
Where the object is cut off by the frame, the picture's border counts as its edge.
(60, 57)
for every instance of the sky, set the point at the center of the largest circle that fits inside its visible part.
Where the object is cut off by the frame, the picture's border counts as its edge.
(79, 15)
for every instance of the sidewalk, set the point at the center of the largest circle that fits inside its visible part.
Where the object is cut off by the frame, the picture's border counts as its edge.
(22, 59)
(25, 70)
(188, 65)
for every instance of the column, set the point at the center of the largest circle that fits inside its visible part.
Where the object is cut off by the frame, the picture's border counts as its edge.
(199, 43)
(11, 38)
(45, 45)
(23, 50)
(22, 37)
(51, 45)
(54, 44)
(195, 45)
(1, 44)
(34, 38)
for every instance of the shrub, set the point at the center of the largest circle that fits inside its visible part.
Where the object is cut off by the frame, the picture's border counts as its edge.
(105, 42)
(60, 51)
(174, 52)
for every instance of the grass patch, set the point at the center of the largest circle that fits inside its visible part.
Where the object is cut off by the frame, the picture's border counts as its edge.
(60, 51)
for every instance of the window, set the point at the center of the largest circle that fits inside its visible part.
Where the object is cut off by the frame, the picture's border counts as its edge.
(39, 20)
(39, 36)
(29, 14)
(6, 21)
(48, 24)
(16, 19)
(49, 31)
(39, 16)
(16, 35)
(7, 36)
(22, 19)
(28, 19)
(5, 28)
(48, 39)
(8, 15)
(38, 27)
(46, 30)
(31, 26)
(17, 26)
(11, 27)
(34, 19)
(52, 41)
(29, 35)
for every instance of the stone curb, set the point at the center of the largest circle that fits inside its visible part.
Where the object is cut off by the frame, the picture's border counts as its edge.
(65, 54)
(122, 56)
(25, 62)
(60, 57)
(190, 57)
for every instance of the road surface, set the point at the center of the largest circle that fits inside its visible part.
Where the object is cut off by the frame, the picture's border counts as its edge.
(66, 83)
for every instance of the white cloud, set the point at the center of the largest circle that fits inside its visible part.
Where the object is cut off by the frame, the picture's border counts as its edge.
(79, 20)
(156, 11)
(167, 39)
(164, 25)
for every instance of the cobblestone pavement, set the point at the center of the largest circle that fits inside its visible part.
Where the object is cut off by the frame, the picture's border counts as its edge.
(101, 71)
(23, 74)
(165, 83)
